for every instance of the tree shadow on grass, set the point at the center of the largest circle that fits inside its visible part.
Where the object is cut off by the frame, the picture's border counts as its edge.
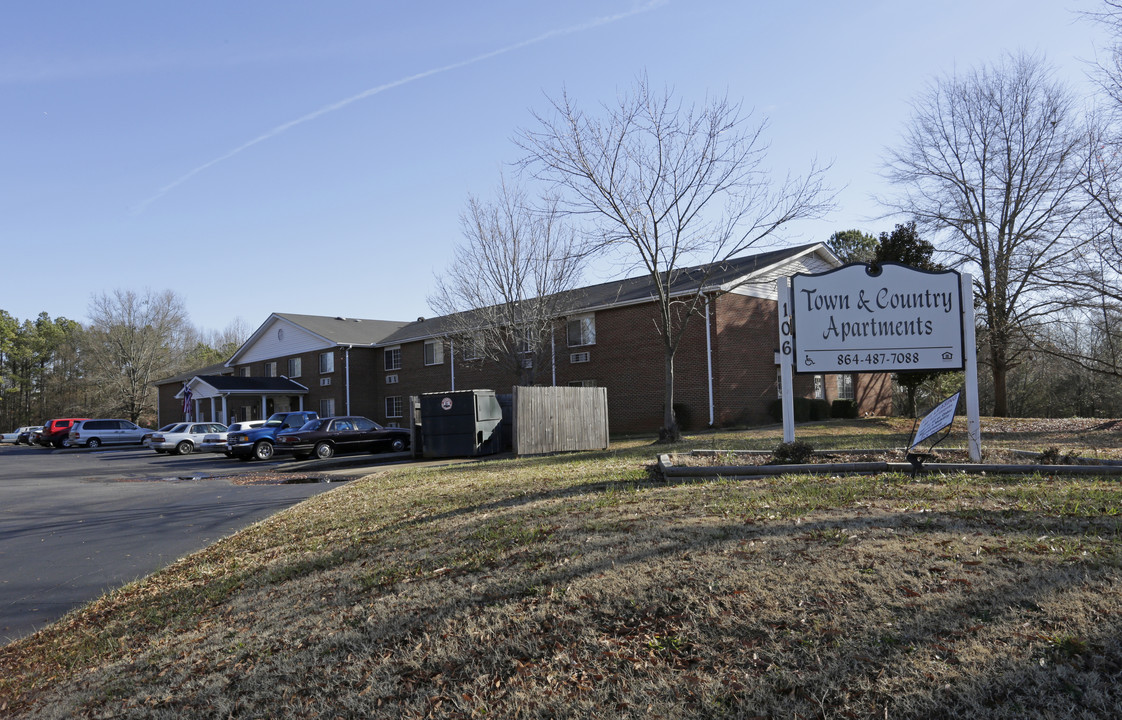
(658, 644)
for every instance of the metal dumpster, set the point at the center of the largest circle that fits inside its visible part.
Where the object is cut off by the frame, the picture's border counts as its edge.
(462, 423)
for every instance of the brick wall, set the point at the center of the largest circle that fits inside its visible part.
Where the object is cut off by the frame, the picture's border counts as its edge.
(169, 409)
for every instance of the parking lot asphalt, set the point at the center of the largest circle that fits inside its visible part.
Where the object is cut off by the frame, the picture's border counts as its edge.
(76, 523)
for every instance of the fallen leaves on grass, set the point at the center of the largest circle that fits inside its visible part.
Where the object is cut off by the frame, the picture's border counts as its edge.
(580, 586)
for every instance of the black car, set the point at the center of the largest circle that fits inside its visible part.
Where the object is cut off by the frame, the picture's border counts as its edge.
(324, 437)
(29, 436)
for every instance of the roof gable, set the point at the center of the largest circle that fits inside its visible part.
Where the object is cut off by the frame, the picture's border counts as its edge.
(285, 334)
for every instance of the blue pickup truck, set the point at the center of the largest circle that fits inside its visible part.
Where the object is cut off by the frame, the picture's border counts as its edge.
(258, 442)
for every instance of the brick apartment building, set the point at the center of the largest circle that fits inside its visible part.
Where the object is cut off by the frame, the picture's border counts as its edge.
(725, 371)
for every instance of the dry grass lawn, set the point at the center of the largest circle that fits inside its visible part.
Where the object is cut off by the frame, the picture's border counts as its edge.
(585, 586)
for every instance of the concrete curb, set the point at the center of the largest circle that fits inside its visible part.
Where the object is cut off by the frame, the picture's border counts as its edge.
(670, 470)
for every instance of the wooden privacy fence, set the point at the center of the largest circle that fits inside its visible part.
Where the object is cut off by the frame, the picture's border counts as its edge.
(560, 419)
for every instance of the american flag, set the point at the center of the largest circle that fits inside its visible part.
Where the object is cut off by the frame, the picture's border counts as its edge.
(187, 402)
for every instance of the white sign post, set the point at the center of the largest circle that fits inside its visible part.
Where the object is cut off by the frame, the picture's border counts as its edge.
(885, 318)
(973, 413)
(785, 359)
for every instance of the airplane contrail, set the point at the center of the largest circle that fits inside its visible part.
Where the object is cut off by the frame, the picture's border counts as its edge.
(597, 22)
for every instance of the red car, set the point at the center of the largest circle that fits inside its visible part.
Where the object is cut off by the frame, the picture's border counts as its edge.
(57, 432)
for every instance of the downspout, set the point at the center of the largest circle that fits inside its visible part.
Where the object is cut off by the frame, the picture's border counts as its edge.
(709, 359)
(553, 354)
(347, 373)
(452, 361)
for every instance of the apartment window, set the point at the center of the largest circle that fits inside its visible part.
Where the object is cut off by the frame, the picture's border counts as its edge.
(243, 371)
(393, 406)
(434, 352)
(528, 341)
(327, 362)
(582, 330)
(327, 407)
(393, 358)
(819, 387)
(845, 387)
(473, 347)
(271, 369)
(294, 367)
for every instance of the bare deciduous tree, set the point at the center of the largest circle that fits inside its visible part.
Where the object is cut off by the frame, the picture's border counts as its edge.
(209, 347)
(505, 287)
(669, 185)
(133, 340)
(991, 162)
(1095, 297)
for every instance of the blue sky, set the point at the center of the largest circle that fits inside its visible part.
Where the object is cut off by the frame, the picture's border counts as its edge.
(265, 156)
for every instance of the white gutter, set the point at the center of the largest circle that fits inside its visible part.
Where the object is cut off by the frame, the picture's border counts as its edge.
(709, 359)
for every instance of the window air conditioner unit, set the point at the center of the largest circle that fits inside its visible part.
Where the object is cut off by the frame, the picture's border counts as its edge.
(578, 357)
(324, 381)
(391, 379)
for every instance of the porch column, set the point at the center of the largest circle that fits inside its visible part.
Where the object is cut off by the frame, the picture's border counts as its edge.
(225, 412)
(264, 407)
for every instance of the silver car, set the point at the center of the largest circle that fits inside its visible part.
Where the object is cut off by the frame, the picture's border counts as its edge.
(184, 437)
(216, 442)
(95, 433)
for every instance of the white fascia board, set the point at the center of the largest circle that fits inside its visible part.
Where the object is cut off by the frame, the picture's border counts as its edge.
(769, 273)
(264, 331)
(193, 383)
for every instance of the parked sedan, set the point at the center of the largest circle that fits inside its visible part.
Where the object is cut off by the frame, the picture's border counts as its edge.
(29, 435)
(183, 438)
(326, 437)
(13, 437)
(146, 441)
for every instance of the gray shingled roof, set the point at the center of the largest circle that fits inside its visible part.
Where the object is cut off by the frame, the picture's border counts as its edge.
(345, 331)
(624, 292)
(215, 369)
(363, 331)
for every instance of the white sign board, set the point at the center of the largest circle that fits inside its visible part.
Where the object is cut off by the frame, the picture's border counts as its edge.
(891, 318)
(936, 420)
